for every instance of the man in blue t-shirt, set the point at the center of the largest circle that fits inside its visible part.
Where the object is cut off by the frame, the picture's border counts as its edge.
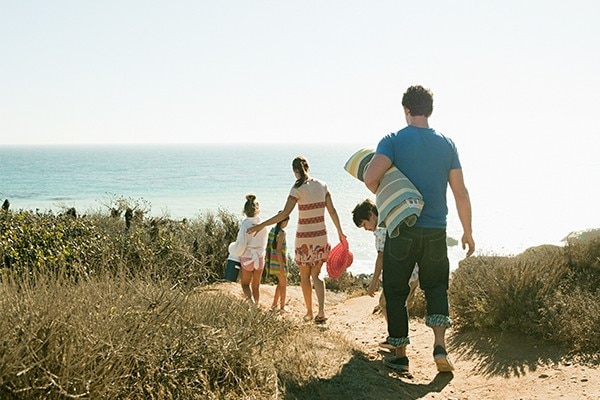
(430, 161)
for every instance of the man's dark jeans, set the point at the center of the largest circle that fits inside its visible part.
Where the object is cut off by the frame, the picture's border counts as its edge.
(423, 246)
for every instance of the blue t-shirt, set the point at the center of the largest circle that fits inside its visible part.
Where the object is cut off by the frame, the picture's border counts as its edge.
(426, 158)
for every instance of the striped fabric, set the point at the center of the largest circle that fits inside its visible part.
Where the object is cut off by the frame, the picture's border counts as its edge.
(357, 163)
(271, 261)
(398, 200)
(312, 234)
(313, 220)
(312, 206)
(311, 244)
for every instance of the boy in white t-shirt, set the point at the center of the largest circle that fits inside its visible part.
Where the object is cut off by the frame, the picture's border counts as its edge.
(365, 216)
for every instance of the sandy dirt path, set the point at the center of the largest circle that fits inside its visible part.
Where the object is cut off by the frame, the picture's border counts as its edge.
(488, 366)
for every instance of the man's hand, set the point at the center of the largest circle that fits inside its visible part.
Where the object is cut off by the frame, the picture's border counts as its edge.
(468, 243)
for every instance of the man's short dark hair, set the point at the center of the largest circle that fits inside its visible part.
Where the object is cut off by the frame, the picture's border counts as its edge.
(418, 101)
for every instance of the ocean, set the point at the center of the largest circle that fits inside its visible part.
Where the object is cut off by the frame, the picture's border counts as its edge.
(184, 181)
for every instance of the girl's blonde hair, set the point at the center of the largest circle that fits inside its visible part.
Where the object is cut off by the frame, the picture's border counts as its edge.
(251, 207)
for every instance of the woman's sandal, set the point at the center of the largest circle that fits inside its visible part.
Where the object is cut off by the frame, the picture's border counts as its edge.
(320, 320)
(307, 318)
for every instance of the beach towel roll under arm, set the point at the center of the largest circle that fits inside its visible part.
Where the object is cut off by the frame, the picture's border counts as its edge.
(398, 201)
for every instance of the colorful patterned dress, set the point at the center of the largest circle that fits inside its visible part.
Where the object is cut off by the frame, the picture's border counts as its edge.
(271, 261)
(311, 244)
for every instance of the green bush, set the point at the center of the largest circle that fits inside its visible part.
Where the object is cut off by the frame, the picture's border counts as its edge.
(59, 245)
(182, 252)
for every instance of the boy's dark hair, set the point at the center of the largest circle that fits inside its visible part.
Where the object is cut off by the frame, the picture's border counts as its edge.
(362, 211)
(418, 101)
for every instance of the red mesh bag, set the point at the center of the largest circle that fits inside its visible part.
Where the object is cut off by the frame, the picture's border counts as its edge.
(339, 259)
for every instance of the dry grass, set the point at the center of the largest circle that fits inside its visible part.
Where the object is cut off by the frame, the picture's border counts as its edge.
(550, 292)
(116, 338)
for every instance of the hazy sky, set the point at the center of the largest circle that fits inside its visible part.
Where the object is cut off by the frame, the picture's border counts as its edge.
(516, 83)
(503, 72)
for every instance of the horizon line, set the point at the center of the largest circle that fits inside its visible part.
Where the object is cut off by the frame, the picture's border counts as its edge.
(245, 143)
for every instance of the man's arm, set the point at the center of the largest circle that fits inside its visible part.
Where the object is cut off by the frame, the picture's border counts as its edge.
(375, 170)
(463, 206)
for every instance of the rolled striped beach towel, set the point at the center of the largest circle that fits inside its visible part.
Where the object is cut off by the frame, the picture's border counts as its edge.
(357, 163)
(398, 201)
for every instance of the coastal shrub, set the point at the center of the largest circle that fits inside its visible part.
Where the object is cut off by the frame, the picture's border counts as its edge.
(571, 318)
(184, 252)
(54, 244)
(505, 292)
(211, 234)
(187, 253)
(546, 291)
(584, 259)
(572, 315)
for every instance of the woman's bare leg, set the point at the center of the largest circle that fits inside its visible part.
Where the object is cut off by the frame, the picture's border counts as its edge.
(319, 288)
(306, 288)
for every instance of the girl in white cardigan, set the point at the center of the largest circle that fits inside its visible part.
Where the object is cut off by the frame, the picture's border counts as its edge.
(250, 249)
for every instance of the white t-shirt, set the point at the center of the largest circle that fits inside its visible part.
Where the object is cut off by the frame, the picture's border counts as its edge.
(249, 245)
(380, 234)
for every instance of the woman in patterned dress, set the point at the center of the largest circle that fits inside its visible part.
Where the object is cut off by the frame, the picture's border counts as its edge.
(312, 246)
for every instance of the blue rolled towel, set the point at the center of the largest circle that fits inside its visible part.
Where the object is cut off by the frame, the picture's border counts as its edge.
(398, 200)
